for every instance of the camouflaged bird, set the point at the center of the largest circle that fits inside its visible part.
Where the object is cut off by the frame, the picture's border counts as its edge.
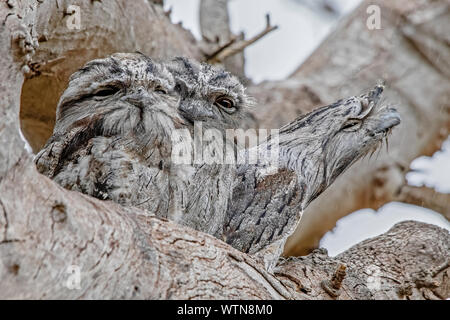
(123, 122)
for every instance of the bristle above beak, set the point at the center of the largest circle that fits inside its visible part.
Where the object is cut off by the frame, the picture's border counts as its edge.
(375, 94)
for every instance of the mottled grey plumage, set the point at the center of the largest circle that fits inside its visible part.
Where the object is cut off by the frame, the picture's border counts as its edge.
(114, 139)
(114, 125)
(200, 86)
(313, 151)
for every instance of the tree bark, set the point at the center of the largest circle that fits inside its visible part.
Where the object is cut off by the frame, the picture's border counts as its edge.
(128, 253)
(426, 197)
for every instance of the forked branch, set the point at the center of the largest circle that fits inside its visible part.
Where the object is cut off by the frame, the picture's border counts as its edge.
(235, 46)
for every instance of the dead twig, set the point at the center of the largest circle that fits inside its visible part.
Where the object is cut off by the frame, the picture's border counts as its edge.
(235, 46)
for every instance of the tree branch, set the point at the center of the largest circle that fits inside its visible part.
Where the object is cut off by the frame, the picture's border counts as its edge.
(233, 47)
(128, 254)
(426, 197)
(215, 21)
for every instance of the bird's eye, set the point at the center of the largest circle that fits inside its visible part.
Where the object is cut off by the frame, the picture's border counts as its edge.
(224, 102)
(352, 125)
(107, 91)
(160, 89)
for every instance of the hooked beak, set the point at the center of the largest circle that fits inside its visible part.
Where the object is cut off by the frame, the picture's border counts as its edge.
(389, 116)
(370, 100)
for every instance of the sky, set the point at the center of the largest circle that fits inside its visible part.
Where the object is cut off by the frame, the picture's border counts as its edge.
(301, 30)
(433, 172)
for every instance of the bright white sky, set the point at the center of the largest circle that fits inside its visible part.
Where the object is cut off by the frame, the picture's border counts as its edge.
(277, 55)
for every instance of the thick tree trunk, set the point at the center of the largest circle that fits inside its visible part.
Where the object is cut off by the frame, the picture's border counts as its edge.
(125, 253)
(47, 233)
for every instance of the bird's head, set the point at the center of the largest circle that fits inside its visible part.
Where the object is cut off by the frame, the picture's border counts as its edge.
(209, 94)
(324, 143)
(117, 95)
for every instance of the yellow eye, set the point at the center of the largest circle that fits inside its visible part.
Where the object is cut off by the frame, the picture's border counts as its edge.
(224, 102)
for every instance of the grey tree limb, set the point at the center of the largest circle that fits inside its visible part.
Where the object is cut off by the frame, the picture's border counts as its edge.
(128, 254)
(426, 197)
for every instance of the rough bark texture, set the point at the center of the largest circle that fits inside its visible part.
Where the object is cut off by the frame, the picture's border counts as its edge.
(126, 253)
